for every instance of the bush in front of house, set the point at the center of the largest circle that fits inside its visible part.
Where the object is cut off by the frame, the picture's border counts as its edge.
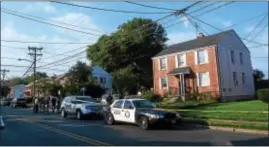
(28, 100)
(263, 95)
(150, 95)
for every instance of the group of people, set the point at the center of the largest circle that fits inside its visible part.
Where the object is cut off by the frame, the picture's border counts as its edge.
(46, 103)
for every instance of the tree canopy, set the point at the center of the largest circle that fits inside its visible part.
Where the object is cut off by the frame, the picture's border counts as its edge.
(132, 45)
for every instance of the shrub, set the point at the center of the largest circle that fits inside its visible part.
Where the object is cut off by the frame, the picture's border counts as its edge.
(150, 95)
(263, 95)
(94, 90)
(28, 100)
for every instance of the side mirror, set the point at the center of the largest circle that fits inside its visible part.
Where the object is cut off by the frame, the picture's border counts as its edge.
(130, 107)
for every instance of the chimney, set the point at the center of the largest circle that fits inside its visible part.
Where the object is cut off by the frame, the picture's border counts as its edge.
(200, 35)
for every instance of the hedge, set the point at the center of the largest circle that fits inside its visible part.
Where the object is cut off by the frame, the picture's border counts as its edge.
(263, 95)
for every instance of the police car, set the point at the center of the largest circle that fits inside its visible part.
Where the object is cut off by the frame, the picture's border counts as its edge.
(138, 111)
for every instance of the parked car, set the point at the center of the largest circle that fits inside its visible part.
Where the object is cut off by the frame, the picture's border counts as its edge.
(139, 111)
(80, 106)
(18, 102)
(6, 101)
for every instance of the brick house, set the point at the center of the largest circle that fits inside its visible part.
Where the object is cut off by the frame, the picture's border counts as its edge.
(219, 64)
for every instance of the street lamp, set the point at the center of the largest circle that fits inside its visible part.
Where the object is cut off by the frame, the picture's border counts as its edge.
(25, 60)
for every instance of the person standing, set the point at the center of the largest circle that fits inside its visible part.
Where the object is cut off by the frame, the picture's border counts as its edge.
(36, 105)
(109, 99)
(53, 102)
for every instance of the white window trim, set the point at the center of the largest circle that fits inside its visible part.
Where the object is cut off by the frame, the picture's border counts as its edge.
(161, 64)
(206, 57)
(160, 82)
(184, 59)
(198, 79)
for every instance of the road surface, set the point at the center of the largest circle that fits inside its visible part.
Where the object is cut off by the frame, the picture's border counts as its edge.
(24, 128)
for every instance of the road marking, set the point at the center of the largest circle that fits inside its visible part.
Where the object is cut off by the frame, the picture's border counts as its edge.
(75, 136)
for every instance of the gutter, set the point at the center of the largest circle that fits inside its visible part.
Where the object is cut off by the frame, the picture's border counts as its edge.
(218, 69)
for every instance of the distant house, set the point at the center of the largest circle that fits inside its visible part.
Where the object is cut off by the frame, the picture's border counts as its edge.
(17, 91)
(219, 64)
(103, 78)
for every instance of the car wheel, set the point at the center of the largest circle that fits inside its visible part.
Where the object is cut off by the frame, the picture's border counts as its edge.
(78, 115)
(144, 123)
(110, 119)
(63, 113)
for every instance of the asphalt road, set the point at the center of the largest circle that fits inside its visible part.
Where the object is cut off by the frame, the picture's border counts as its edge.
(24, 128)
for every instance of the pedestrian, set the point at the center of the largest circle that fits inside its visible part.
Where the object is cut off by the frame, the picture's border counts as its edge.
(53, 102)
(36, 105)
(109, 99)
(58, 104)
(47, 102)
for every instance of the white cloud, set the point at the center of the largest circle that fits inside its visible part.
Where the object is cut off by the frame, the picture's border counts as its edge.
(227, 24)
(179, 37)
(185, 20)
(8, 32)
(40, 6)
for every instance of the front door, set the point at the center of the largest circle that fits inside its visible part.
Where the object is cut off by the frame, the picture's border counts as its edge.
(128, 112)
(117, 110)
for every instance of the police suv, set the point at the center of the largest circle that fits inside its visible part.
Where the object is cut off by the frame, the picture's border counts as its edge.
(138, 111)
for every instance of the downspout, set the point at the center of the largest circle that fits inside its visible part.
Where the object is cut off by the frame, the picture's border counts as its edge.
(218, 69)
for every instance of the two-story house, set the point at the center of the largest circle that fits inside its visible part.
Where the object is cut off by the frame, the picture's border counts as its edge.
(103, 78)
(219, 64)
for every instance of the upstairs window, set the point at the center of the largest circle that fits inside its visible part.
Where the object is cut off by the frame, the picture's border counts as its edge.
(202, 57)
(163, 63)
(181, 60)
(241, 58)
(232, 57)
(102, 80)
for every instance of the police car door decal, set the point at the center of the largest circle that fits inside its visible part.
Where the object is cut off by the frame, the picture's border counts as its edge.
(127, 114)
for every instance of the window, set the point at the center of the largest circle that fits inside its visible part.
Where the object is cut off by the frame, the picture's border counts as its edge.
(203, 79)
(163, 63)
(118, 104)
(102, 80)
(232, 57)
(243, 78)
(128, 105)
(235, 79)
(241, 58)
(164, 82)
(201, 56)
(181, 60)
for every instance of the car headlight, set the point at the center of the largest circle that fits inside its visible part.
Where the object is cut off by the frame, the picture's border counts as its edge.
(157, 116)
(178, 115)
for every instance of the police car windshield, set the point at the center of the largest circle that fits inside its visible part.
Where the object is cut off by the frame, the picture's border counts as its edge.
(143, 104)
(85, 99)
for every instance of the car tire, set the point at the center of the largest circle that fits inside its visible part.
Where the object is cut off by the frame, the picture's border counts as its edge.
(79, 115)
(144, 123)
(110, 119)
(63, 113)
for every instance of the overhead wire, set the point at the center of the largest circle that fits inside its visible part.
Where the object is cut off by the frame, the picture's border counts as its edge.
(110, 10)
(256, 26)
(148, 6)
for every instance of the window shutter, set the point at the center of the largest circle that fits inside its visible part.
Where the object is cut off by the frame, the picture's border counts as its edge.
(197, 79)
(160, 83)
(176, 60)
(184, 59)
(206, 56)
(208, 78)
(195, 57)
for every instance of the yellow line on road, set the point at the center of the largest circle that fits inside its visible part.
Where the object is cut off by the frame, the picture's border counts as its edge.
(75, 136)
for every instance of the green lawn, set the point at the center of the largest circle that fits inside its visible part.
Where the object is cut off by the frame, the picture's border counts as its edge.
(254, 105)
(228, 116)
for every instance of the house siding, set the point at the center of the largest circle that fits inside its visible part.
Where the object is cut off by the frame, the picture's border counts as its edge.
(229, 90)
(190, 80)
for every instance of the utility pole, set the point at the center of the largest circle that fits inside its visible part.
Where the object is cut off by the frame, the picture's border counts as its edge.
(33, 52)
(5, 71)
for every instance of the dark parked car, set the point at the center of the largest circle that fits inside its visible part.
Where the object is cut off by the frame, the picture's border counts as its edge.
(18, 102)
(6, 101)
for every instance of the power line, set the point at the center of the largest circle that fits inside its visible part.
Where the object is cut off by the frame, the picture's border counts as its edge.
(48, 23)
(110, 10)
(37, 17)
(40, 42)
(259, 32)
(223, 30)
(161, 8)
(257, 25)
(29, 68)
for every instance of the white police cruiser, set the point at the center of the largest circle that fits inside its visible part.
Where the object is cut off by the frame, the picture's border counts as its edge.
(80, 106)
(138, 111)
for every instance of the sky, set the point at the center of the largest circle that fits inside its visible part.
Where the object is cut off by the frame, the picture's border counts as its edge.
(99, 22)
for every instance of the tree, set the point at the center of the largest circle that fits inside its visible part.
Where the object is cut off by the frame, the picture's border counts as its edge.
(124, 80)
(5, 90)
(258, 74)
(39, 75)
(17, 81)
(133, 44)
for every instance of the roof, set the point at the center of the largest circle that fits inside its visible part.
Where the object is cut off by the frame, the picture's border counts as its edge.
(196, 43)
(185, 70)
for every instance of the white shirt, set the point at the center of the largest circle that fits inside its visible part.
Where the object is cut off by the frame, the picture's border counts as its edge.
(36, 101)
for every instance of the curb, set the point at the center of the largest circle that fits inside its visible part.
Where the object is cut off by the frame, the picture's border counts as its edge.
(228, 129)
